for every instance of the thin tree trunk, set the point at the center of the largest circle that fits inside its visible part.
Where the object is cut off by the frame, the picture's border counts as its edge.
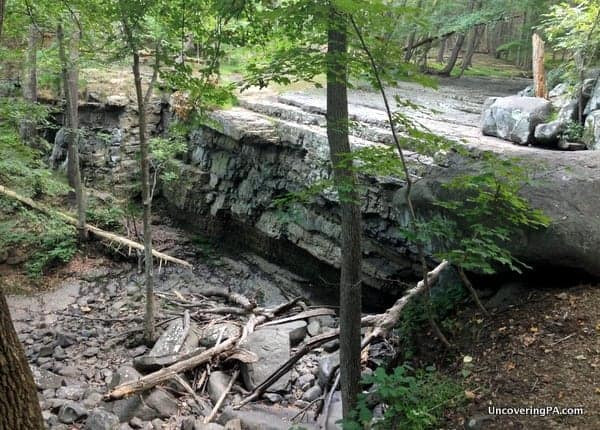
(149, 331)
(539, 74)
(2, 9)
(442, 50)
(28, 126)
(19, 407)
(339, 147)
(454, 56)
(70, 76)
(467, 59)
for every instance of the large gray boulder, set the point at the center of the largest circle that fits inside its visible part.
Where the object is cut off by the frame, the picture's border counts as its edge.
(591, 131)
(272, 348)
(594, 102)
(515, 118)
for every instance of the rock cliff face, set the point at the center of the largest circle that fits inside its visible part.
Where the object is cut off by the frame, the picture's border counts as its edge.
(230, 178)
(236, 167)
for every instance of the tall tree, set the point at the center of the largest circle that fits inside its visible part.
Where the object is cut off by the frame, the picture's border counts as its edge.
(345, 180)
(28, 127)
(132, 15)
(19, 406)
(70, 77)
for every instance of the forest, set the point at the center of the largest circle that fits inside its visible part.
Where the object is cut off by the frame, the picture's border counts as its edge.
(299, 214)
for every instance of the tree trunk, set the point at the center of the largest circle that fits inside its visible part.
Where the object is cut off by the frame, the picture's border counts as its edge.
(539, 75)
(19, 407)
(28, 127)
(467, 59)
(2, 9)
(453, 56)
(339, 147)
(442, 50)
(70, 77)
(149, 331)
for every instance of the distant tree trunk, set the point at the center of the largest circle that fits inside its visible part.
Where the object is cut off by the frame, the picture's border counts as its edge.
(442, 50)
(19, 407)
(447, 70)
(149, 331)
(468, 57)
(70, 76)
(339, 147)
(28, 126)
(539, 74)
(2, 9)
(411, 40)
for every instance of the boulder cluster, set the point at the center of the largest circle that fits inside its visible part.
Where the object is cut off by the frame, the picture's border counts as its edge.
(554, 122)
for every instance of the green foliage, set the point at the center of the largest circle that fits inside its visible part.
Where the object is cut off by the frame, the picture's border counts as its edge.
(482, 213)
(413, 400)
(163, 151)
(22, 230)
(106, 217)
(573, 132)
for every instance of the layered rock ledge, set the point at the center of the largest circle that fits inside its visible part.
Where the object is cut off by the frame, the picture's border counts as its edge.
(271, 145)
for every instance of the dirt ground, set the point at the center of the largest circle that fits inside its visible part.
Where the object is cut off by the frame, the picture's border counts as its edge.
(541, 348)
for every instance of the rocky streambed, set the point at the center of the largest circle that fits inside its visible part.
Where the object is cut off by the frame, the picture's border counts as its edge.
(83, 338)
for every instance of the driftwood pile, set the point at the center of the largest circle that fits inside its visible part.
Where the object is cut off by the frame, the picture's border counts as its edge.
(232, 348)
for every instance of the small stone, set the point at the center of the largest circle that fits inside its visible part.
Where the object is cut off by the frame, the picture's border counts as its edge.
(305, 381)
(312, 393)
(273, 397)
(91, 352)
(92, 400)
(327, 366)
(136, 423)
(99, 419)
(314, 327)
(71, 412)
(64, 339)
(59, 353)
(217, 384)
(70, 393)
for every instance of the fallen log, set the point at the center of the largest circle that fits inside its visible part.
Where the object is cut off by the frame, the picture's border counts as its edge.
(92, 229)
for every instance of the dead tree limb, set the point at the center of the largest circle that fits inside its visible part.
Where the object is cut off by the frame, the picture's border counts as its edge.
(221, 399)
(92, 229)
(195, 358)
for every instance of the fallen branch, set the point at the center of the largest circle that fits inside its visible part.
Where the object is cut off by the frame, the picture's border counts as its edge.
(151, 380)
(195, 358)
(221, 399)
(92, 229)
(301, 316)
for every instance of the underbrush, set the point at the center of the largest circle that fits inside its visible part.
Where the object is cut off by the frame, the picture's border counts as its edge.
(27, 237)
(413, 399)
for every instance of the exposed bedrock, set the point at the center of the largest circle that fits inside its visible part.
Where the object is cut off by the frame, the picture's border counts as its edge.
(237, 167)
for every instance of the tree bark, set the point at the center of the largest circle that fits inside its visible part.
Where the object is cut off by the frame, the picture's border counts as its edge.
(539, 74)
(70, 76)
(442, 50)
(2, 9)
(345, 180)
(149, 330)
(19, 407)
(27, 127)
(453, 56)
(467, 59)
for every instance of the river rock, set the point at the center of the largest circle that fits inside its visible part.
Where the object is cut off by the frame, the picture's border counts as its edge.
(272, 348)
(549, 133)
(312, 393)
(209, 334)
(71, 412)
(168, 347)
(217, 384)
(591, 131)
(327, 365)
(100, 419)
(296, 330)
(45, 379)
(261, 417)
(514, 118)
